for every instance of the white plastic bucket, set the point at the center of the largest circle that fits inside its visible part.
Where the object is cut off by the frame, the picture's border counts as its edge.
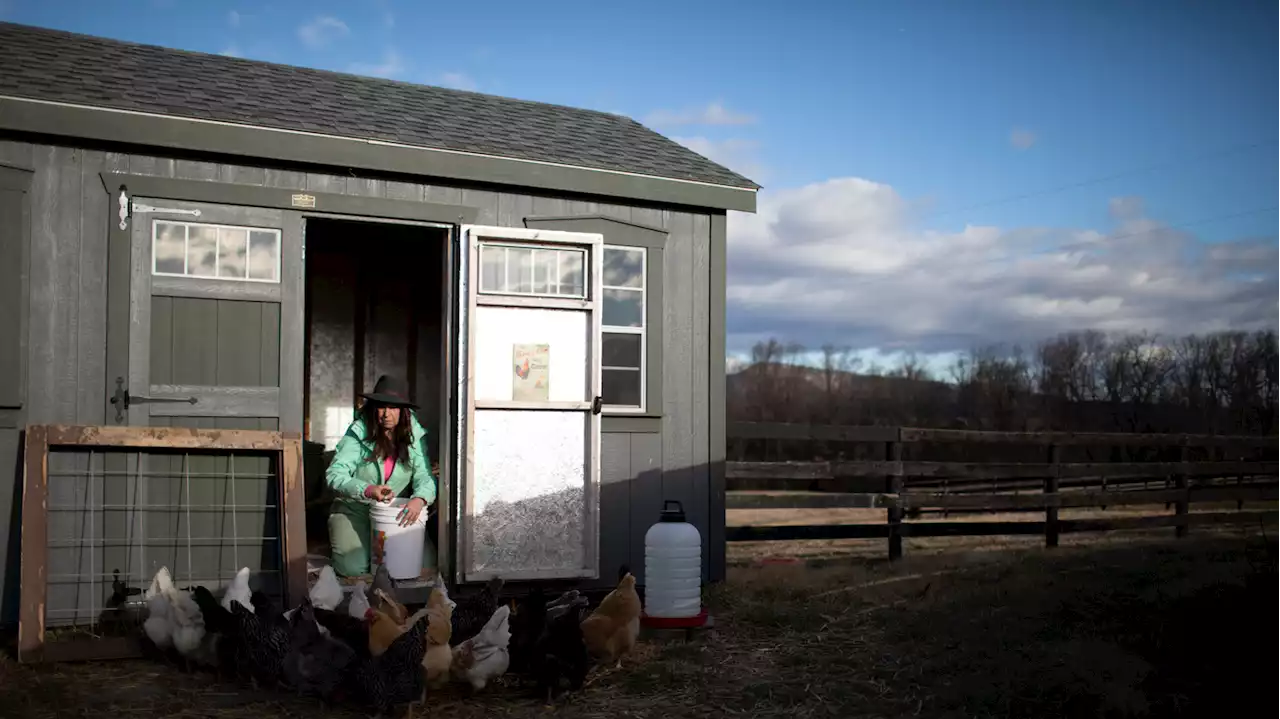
(397, 548)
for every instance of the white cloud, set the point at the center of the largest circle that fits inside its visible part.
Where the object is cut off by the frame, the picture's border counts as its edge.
(322, 30)
(841, 262)
(713, 113)
(233, 18)
(458, 81)
(232, 50)
(1022, 139)
(392, 66)
(737, 154)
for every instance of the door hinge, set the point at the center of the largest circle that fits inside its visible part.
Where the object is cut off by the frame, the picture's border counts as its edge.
(139, 207)
(122, 399)
(597, 405)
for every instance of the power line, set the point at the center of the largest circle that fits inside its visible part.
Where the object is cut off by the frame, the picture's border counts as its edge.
(1105, 178)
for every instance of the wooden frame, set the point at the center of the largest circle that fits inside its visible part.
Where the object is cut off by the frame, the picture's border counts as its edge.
(470, 298)
(40, 439)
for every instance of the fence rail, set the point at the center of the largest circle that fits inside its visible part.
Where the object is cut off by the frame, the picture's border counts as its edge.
(909, 487)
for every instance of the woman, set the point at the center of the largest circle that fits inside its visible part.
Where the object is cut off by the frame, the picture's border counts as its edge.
(381, 455)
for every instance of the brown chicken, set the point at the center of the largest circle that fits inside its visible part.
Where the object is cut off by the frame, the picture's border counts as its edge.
(439, 656)
(387, 604)
(612, 629)
(383, 630)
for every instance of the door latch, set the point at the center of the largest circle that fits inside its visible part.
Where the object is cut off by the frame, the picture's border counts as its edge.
(122, 399)
(597, 405)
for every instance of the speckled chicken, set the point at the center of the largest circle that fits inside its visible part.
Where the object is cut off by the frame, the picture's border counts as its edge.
(395, 677)
(261, 643)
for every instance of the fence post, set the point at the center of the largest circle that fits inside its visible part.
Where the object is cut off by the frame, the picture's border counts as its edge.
(893, 485)
(1051, 489)
(1181, 507)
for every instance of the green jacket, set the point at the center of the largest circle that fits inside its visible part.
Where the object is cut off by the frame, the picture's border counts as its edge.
(350, 471)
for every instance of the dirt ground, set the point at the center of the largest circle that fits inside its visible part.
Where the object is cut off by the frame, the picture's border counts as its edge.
(1120, 625)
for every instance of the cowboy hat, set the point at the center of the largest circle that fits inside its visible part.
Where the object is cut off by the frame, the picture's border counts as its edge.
(391, 391)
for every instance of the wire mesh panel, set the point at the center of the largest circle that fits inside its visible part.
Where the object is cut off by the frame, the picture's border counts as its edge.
(105, 507)
(115, 517)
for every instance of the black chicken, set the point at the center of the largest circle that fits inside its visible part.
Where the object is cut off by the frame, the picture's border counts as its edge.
(395, 676)
(346, 629)
(562, 660)
(220, 623)
(315, 663)
(473, 612)
(261, 643)
(528, 623)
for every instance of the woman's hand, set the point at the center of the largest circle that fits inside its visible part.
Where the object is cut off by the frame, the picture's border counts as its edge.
(379, 493)
(411, 511)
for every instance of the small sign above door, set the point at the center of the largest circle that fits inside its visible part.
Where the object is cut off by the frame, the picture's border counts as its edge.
(301, 200)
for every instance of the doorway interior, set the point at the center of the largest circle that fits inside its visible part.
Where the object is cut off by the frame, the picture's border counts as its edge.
(377, 302)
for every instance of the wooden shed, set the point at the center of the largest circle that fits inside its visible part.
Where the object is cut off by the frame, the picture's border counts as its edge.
(193, 240)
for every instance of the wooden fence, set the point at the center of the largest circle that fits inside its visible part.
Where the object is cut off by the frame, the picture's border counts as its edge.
(1202, 472)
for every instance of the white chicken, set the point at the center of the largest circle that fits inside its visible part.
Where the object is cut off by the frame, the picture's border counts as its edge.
(359, 607)
(238, 590)
(173, 617)
(159, 624)
(326, 594)
(484, 657)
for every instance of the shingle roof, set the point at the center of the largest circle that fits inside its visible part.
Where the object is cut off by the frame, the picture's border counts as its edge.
(53, 65)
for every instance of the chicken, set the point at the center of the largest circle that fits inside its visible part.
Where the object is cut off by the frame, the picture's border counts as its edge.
(387, 604)
(347, 629)
(562, 658)
(528, 624)
(237, 590)
(484, 657)
(439, 656)
(567, 598)
(395, 676)
(327, 592)
(383, 631)
(358, 606)
(159, 623)
(261, 643)
(220, 630)
(612, 629)
(315, 663)
(473, 612)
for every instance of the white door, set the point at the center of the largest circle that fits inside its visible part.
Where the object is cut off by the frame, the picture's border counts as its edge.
(530, 404)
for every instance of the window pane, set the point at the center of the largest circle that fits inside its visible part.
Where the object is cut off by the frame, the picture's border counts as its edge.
(623, 268)
(233, 249)
(621, 387)
(264, 254)
(620, 350)
(544, 272)
(170, 248)
(202, 251)
(623, 308)
(520, 270)
(492, 270)
(572, 282)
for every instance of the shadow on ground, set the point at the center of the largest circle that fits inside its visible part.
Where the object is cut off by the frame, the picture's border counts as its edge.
(1135, 627)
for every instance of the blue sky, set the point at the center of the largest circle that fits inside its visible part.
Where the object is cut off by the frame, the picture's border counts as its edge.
(940, 106)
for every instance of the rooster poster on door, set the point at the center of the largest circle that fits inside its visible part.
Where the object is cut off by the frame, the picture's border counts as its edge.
(531, 381)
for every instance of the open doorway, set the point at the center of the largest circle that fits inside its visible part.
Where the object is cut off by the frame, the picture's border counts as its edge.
(377, 303)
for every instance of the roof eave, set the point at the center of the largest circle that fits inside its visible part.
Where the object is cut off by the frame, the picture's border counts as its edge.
(254, 141)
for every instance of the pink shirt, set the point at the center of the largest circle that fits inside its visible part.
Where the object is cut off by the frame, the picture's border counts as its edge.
(388, 466)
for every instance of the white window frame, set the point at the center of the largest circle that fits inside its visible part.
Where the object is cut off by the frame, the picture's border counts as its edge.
(506, 269)
(642, 330)
(186, 250)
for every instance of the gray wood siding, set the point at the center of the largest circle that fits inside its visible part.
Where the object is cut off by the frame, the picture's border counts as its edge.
(67, 379)
(217, 343)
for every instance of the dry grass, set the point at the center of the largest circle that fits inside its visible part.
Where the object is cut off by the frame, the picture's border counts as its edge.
(1123, 625)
